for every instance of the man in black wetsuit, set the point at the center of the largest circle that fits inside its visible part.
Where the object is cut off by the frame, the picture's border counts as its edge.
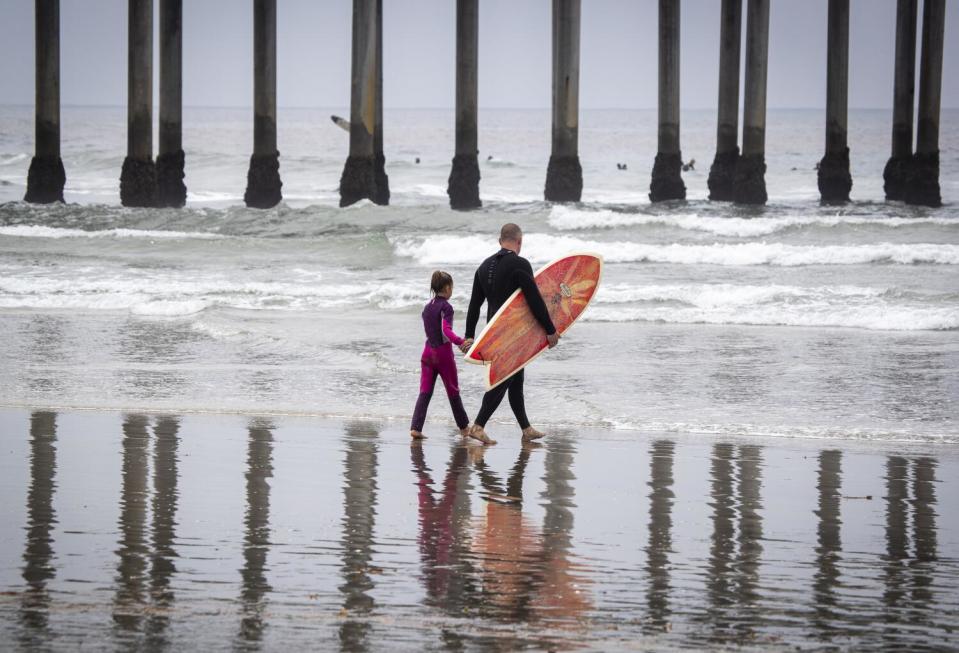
(495, 280)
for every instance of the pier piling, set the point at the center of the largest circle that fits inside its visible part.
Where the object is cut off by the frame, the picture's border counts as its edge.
(263, 185)
(170, 158)
(749, 185)
(359, 175)
(46, 177)
(564, 176)
(382, 196)
(923, 186)
(138, 178)
(896, 171)
(667, 182)
(727, 129)
(463, 186)
(834, 179)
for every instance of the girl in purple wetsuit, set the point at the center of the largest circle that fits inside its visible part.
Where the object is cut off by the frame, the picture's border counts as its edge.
(437, 358)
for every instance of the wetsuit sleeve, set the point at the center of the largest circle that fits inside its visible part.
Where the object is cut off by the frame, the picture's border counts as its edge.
(523, 278)
(477, 297)
(446, 322)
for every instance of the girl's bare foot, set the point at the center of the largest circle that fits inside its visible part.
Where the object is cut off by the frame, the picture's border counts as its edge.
(529, 433)
(477, 433)
(417, 435)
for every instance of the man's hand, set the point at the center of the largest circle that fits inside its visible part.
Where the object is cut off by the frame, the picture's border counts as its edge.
(466, 344)
(552, 339)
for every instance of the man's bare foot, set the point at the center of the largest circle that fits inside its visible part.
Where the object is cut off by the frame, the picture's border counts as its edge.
(529, 434)
(478, 433)
(417, 435)
(465, 431)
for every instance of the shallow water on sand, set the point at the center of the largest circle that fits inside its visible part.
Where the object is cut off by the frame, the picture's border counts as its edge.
(223, 532)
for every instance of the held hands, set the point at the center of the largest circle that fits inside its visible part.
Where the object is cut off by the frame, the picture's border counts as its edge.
(552, 339)
(465, 345)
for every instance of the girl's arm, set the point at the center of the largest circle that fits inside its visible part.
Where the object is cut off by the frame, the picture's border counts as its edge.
(446, 320)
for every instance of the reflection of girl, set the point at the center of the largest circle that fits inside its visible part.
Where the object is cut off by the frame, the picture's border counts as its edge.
(439, 540)
(437, 358)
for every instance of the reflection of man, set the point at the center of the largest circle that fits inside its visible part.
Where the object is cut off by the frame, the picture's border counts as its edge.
(495, 280)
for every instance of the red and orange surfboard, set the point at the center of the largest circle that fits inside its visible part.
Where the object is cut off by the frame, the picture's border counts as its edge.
(513, 338)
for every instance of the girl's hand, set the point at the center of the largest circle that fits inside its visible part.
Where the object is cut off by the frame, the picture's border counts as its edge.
(466, 344)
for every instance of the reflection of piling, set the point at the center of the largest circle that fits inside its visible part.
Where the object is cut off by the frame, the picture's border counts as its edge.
(830, 543)
(359, 175)
(719, 584)
(359, 506)
(170, 158)
(750, 535)
(923, 184)
(165, 496)
(924, 526)
(667, 183)
(382, 196)
(41, 517)
(130, 595)
(660, 533)
(727, 129)
(138, 178)
(564, 176)
(263, 179)
(834, 178)
(46, 177)
(897, 168)
(750, 182)
(908, 595)
(463, 187)
(256, 542)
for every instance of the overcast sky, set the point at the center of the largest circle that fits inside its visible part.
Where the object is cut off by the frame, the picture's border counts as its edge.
(618, 56)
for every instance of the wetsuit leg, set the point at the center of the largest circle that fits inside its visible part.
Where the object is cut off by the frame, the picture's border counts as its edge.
(516, 400)
(447, 371)
(428, 373)
(491, 401)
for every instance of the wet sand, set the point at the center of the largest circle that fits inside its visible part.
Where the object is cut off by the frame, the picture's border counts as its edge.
(240, 532)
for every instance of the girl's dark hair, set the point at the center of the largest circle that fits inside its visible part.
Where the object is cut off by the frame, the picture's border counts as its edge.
(440, 280)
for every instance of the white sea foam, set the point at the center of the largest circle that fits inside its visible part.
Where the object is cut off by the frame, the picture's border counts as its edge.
(566, 218)
(724, 294)
(168, 308)
(465, 250)
(176, 295)
(808, 313)
(832, 306)
(40, 231)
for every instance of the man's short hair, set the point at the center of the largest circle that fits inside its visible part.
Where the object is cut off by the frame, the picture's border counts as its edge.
(510, 232)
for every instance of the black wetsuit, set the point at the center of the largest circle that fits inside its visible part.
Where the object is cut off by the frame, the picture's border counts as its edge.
(495, 280)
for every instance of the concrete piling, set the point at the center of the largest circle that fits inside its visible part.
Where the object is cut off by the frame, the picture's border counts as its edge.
(138, 178)
(46, 177)
(463, 186)
(263, 185)
(834, 179)
(359, 175)
(564, 176)
(727, 129)
(382, 196)
(170, 158)
(923, 186)
(896, 171)
(749, 185)
(667, 182)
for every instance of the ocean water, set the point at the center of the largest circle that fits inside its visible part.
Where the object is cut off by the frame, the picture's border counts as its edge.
(793, 319)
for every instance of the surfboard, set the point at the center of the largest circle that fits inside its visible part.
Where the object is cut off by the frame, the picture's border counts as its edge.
(513, 338)
(342, 123)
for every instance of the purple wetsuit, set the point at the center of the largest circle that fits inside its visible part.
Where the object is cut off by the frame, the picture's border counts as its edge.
(437, 360)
